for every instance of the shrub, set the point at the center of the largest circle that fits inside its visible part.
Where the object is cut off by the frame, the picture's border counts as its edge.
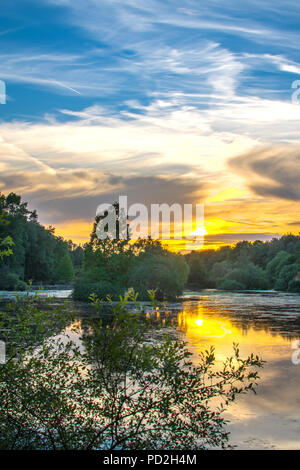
(294, 286)
(274, 266)
(83, 290)
(167, 274)
(247, 277)
(286, 275)
(11, 281)
(229, 284)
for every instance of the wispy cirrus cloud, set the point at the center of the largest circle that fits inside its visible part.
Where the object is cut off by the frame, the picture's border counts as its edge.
(236, 18)
(137, 50)
(152, 67)
(154, 99)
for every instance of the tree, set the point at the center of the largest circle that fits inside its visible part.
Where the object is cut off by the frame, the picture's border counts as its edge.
(198, 276)
(274, 266)
(166, 273)
(111, 266)
(65, 270)
(257, 265)
(37, 251)
(113, 243)
(247, 275)
(5, 243)
(287, 277)
(77, 256)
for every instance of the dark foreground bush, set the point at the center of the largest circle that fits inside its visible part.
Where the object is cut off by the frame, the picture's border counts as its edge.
(131, 385)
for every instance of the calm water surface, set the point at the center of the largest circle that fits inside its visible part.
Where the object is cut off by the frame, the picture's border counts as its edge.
(263, 323)
(59, 294)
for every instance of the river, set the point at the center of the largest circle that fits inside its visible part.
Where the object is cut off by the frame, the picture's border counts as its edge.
(267, 324)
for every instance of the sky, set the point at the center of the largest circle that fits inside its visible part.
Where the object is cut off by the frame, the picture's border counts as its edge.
(189, 102)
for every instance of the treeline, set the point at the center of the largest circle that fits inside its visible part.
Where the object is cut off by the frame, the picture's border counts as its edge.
(259, 265)
(38, 256)
(104, 267)
(32, 253)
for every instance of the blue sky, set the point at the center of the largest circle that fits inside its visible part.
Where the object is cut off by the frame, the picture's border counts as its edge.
(195, 97)
(112, 52)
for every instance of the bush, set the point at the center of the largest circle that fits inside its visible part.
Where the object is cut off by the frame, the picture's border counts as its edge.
(274, 266)
(247, 277)
(229, 284)
(286, 276)
(11, 281)
(83, 290)
(294, 286)
(21, 286)
(219, 271)
(167, 274)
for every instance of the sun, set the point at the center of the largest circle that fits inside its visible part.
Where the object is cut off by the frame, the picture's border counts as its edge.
(199, 232)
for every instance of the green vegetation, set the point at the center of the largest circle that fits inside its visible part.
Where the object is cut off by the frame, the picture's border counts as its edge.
(104, 267)
(65, 270)
(5, 243)
(57, 394)
(37, 255)
(112, 266)
(30, 252)
(258, 265)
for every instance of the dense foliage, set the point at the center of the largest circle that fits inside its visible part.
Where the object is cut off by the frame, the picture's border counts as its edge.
(6, 242)
(128, 383)
(112, 266)
(37, 255)
(259, 265)
(30, 252)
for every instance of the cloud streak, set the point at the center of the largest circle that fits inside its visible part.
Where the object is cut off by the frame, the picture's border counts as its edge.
(272, 171)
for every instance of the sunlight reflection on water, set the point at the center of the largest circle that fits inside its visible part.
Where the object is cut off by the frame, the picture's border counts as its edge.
(265, 323)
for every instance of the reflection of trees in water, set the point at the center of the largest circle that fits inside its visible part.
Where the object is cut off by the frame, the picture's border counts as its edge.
(89, 320)
(26, 313)
(274, 321)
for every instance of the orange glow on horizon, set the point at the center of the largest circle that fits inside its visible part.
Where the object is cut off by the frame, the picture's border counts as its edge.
(79, 232)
